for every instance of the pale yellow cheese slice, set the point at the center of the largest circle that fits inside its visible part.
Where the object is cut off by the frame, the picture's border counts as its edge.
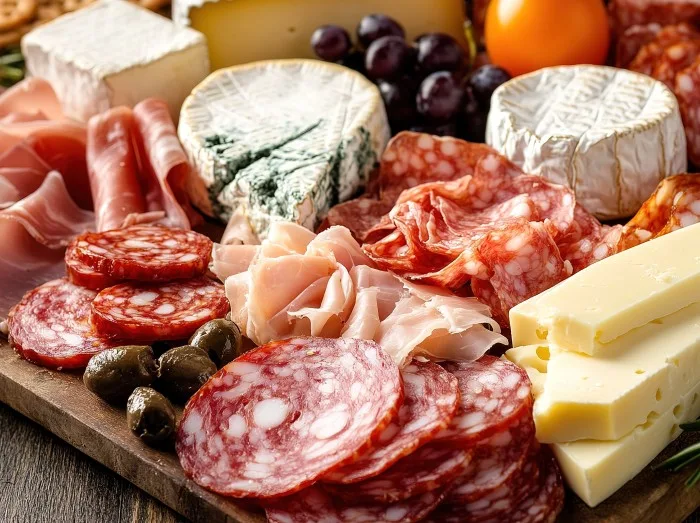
(610, 298)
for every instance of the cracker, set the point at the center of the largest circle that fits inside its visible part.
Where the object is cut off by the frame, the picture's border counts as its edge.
(15, 13)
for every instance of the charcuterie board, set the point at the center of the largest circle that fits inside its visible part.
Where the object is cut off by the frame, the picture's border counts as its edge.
(59, 402)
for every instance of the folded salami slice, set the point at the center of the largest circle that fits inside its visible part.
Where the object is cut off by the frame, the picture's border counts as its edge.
(281, 416)
(148, 312)
(313, 504)
(430, 402)
(82, 275)
(545, 504)
(494, 393)
(496, 460)
(431, 467)
(145, 253)
(51, 326)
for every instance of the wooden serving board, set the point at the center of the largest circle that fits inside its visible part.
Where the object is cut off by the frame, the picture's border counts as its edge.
(59, 402)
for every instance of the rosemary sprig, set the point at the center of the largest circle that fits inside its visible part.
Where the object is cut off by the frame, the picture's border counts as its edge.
(11, 67)
(685, 457)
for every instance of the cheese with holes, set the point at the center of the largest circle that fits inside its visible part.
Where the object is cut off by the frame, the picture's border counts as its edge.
(242, 31)
(115, 53)
(609, 134)
(597, 469)
(645, 371)
(610, 298)
(281, 141)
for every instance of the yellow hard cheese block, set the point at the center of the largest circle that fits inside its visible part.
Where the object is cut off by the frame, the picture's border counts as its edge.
(610, 298)
(646, 371)
(597, 469)
(241, 31)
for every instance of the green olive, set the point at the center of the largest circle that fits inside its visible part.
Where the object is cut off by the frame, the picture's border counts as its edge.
(182, 371)
(150, 416)
(113, 374)
(221, 339)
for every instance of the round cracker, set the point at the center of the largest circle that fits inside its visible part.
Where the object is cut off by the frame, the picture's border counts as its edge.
(15, 13)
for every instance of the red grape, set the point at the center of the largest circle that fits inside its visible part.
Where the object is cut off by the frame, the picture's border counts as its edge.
(471, 122)
(440, 97)
(485, 80)
(400, 102)
(439, 52)
(331, 43)
(373, 27)
(387, 58)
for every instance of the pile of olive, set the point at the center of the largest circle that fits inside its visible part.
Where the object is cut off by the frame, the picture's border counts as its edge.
(131, 374)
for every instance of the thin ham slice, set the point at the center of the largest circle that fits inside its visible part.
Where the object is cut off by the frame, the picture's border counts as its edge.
(22, 172)
(165, 168)
(113, 169)
(30, 99)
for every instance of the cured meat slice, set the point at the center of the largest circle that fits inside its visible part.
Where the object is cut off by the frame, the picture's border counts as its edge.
(50, 326)
(547, 502)
(31, 96)
(674, 59)
(688, 94)
(431, 467)
(493, 393)
(21, 173)
(148, 312)
(496, 460)
(314, 504)
(646, 59)
(145, 253)
(626, 13)
(632, 40)
(165, 166)
(82, 275)
(281, 416)
(361, 216)
(431, 396)
(113, 168)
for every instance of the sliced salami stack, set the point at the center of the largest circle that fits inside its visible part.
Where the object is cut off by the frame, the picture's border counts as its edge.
(331, 430)
(137, 284)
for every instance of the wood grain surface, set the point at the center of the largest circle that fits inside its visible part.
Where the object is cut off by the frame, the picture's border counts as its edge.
(44, 479)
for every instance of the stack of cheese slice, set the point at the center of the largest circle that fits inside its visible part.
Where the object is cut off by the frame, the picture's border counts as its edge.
(614, 355)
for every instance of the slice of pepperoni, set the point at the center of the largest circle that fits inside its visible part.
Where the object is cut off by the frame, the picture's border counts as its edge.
(431, 467)
(431, 396)
(281, 416)
(687, 89)
(313, 504)
(82, 275)
(496, 460)
(149, 312)
(51, 326)
(145, 253)
(493, 394)
(674, 59)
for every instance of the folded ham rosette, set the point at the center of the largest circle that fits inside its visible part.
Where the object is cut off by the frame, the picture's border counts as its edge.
(298, 283)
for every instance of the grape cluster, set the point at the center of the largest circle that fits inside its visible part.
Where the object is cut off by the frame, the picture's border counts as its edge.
(425, 84)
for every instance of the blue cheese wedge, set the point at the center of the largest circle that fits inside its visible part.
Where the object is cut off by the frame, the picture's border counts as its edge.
(281, 140)
(609, 134)
(115, 53)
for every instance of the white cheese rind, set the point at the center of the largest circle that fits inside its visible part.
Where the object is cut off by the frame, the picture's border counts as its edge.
(587, 311)
(281, 140)
(115, 53)
(609, 134)
(595, 470)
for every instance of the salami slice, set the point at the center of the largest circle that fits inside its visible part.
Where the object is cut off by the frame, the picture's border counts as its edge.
(626, 13)
(544, 505)
(648, 56)
(674, 59)
(431, 396)
(281, 416)
(493, 393)
(82, 275)
(315, 505)
(149, 312)
(688, 94)
(496, 460)
(431, 467)
(632, 40)
(51, 326)
(145, 253)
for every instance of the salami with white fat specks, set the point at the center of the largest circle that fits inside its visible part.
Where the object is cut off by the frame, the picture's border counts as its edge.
(496, 460)
(493, 393)
(431, 395)
(51, 327)
(632, 40)
(315, 505)
(149, 312)
(84, 276)
(145, 253)
(432, 466)
(281, 416)
(688, 93)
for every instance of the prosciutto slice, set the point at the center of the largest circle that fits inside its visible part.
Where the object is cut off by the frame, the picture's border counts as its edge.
(165, 168)
(22, 172)
(31, 99)
(297, 283)
(113, 169)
